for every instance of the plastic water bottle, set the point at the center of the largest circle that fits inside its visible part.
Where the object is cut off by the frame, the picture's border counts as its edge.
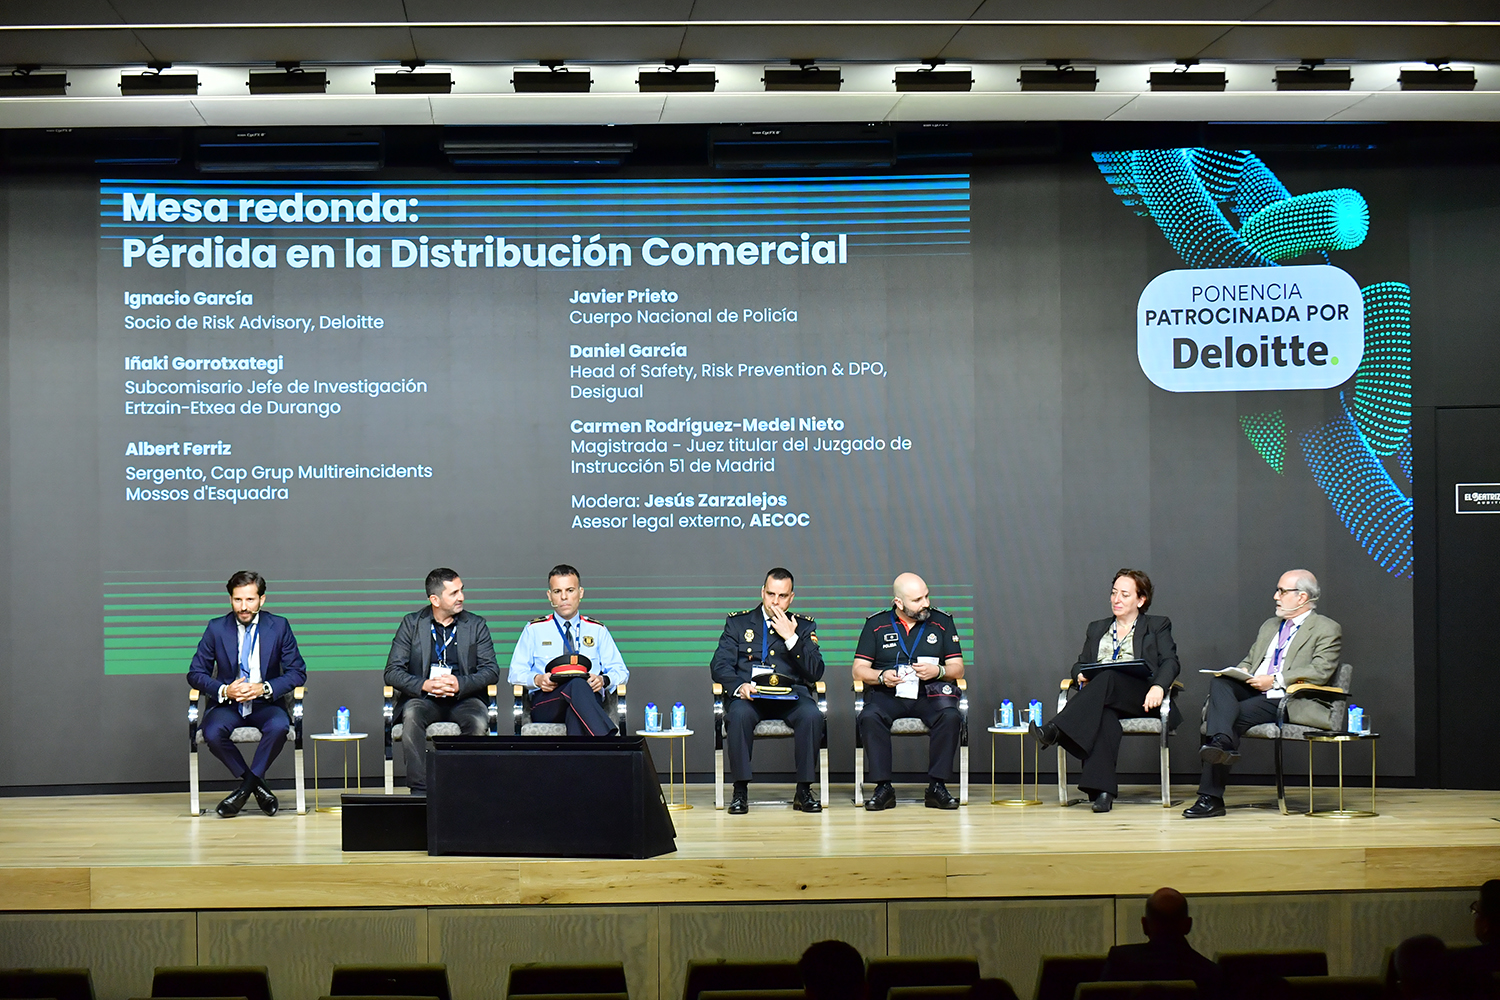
(341, 721)
(1007, 715)
(679, 716)
(1356, 719)
(1036, 711)
(653, 718)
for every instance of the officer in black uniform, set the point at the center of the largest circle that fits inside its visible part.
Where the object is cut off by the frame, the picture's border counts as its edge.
(909, 660)
(758, 645)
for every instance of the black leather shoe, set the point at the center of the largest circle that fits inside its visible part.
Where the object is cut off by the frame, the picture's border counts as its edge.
(884, 797)
(264, 798)
(1206, 806)
(937, 797)
(1218, 751)
(806, 800)
(739, 802)
(1045, 736)
(1103, 802)
(234, 802)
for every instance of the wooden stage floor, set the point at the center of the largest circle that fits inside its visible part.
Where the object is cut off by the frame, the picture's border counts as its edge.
(143, 852)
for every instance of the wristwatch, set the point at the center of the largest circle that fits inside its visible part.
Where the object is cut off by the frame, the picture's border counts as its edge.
(266, 687)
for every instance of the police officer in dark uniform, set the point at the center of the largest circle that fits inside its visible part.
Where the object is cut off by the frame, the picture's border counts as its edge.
(766, 646)
(909, 660)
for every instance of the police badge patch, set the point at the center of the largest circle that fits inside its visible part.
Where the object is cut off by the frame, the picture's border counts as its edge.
(588, 640)
(749, 634)
(932, 639)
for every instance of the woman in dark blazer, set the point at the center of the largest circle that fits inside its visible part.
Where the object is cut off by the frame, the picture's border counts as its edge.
(1089, 727)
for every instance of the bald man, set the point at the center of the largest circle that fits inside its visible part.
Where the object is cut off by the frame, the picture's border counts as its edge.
(909, 659)
(1296, 645)
(1166, 955)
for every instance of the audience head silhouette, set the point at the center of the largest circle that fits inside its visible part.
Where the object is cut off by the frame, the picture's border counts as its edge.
(1487, 913)
(832, 970)
(1166, 915)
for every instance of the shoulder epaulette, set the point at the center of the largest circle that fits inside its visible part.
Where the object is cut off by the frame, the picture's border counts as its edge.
(806, 618)
(536, 621)
(591, 621)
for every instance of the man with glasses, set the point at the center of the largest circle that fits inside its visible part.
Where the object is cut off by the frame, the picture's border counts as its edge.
(1296, 645)
(1473, 968)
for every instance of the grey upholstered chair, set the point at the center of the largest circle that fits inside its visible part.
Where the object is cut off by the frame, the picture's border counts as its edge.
(1158, 725)
(771, 729)
(520, 710)
(914, 727)
(1335, 695)
(244, 734)
(393, 729)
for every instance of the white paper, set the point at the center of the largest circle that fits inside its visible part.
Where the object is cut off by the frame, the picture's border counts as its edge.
(906, 683)
(760, 670)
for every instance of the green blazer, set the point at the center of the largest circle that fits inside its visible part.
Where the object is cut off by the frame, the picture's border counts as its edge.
(1312, 657)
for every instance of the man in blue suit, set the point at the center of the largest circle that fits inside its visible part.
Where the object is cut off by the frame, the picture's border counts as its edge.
(246, 665)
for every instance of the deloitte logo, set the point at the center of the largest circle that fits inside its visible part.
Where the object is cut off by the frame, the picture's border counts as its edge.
(1246, 328)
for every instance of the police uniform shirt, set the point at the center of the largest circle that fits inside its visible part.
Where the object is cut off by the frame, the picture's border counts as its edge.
(881, 639)
(750, 647)
(541, 642)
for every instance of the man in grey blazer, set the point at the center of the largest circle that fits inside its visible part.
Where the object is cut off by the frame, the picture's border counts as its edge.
(442, 660)
(1298, 645)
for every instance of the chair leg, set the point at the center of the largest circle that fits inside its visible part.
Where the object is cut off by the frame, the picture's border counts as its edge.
(859, 775)
(1062, 777)
(1166, 777)
(297, 764)
(195, 807)
(1280, 779)
(963, 775)
(718, 779)
(390, 776)
(823, 775)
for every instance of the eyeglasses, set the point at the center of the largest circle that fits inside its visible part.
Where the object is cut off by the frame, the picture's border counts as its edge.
(1474, 906)
(1286, 590)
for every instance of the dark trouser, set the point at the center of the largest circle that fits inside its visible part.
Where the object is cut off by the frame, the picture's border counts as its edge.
(1233, 707)
(270, 719)
(577, 705)
(939, 715)
(740, 717)
(471, 715)
(1090, 726)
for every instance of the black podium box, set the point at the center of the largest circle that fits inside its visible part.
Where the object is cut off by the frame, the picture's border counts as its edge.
(573, 796)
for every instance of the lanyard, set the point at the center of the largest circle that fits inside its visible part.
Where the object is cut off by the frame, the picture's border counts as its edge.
(441, 645)
(567, 641)
(909, 654)
(1117, 641)
(1281, 647)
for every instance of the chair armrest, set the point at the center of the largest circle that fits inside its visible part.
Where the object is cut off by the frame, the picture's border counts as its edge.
(821, 690)
(1302, 687)
(859, 706)
(859, 687)
(1063, 691)
(621, 710)
(518, 705)
(299, 694)
(963, 712)
(718, 717)
(388, 715)
(194, 718)
(492, 693)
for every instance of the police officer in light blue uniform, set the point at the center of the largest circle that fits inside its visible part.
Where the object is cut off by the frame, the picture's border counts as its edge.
(577, 701)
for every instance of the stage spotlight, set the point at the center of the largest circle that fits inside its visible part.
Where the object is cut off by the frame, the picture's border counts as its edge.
(1440, 77)
(1186, 79)
(1062, 75)
(558, 79)
(24, 81)
(933, 80)
(156, 83)
(675, 79)
(411, 82)
(805, 77)
(1309, 77)
(289, 78)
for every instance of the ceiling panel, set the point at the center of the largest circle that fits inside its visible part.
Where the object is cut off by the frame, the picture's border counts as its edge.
(833, 10)
(544, 109)
(1395, 106)
(1106, 10)
(59, 12)
(780, 107)
(72, 48)
(313, 110)
(1378, 43)
(524, 44)
(1007, 107)
(63, 112)
(1122, 43)
(557, 10)
(779, 42)
(1377, 10)
(275, 44)
(1259, 106)
(259, 11)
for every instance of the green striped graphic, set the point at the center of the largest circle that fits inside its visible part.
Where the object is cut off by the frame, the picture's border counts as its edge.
(153, 627)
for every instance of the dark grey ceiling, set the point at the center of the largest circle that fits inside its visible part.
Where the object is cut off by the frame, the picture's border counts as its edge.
(124, 32)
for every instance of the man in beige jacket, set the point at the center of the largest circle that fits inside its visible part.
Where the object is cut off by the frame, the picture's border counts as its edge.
(1297, 646)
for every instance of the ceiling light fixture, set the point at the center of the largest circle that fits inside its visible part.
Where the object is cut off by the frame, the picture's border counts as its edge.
(1309, 77)
(290, 78)
(557, 80)
(1062, 75)
(155, 83)
(409, 81)
(932, 79)
(25, 81)
(806, 76)
(1440, 77)
(674, 79)
(1185, 79)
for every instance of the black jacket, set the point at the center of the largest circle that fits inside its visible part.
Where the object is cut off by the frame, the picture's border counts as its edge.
(411, 655)
(802, 665)
(1152, 642)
